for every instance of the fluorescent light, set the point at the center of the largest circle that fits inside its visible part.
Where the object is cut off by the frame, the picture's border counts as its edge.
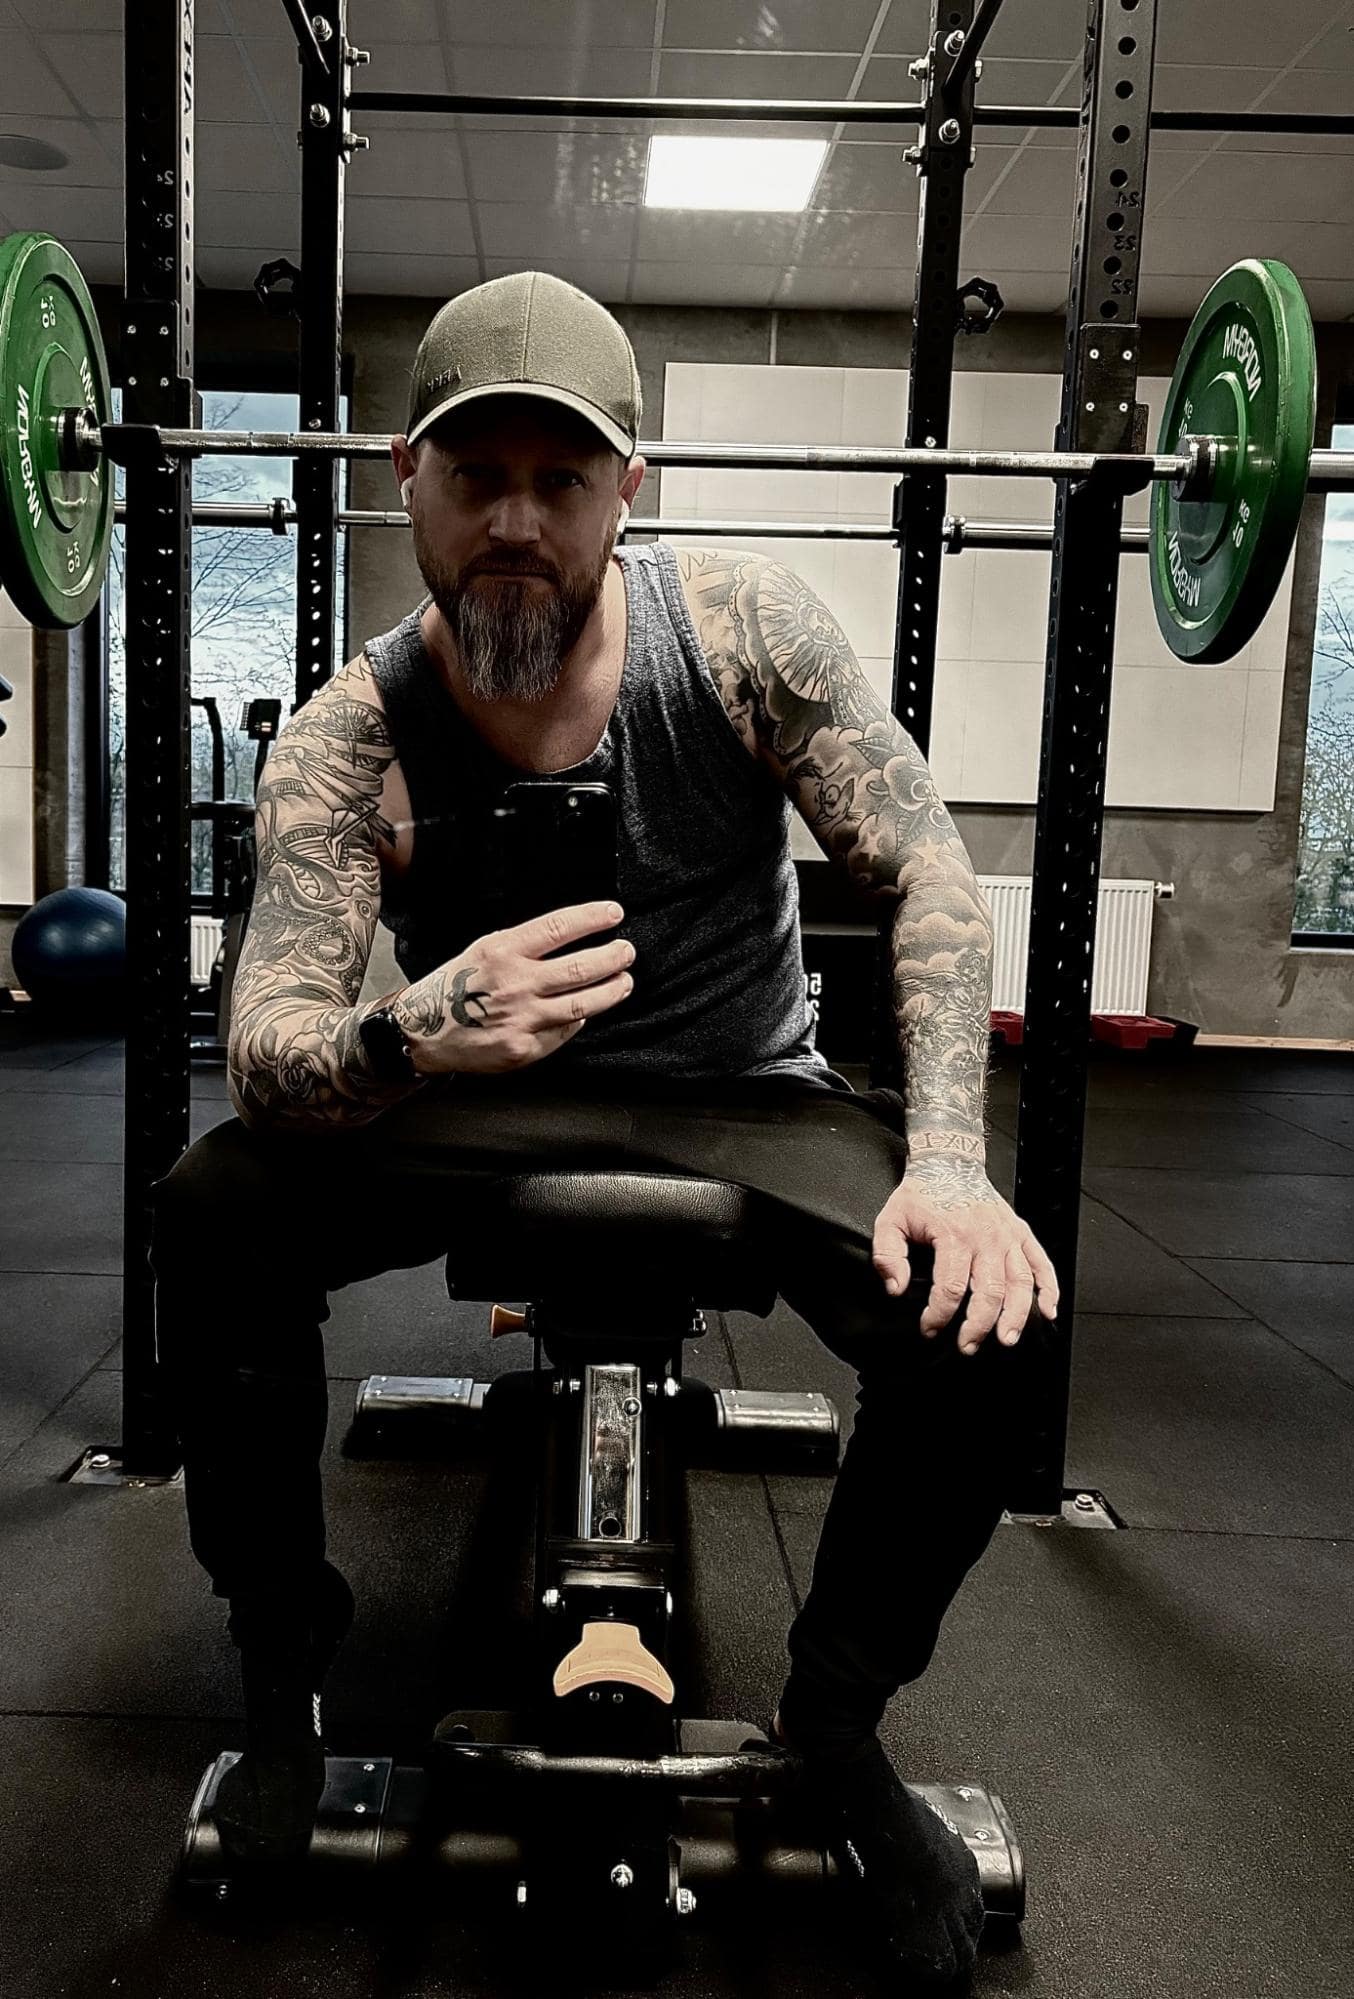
(771, 175)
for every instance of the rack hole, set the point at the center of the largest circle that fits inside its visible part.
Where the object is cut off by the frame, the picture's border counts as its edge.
(1110, 308)
(1114, 222)
(1113, 266)
(1123, 88)
(1127, 45)
(1121, 135)
(1119, 178)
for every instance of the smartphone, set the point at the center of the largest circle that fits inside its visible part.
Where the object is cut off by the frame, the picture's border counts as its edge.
(554, 846)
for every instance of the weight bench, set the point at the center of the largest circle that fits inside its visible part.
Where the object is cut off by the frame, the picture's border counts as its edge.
(599, 1809)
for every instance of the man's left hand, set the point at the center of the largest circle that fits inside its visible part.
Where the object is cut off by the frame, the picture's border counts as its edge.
(981, 1246)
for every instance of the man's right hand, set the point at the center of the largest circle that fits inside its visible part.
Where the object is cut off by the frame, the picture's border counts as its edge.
(504, 1004)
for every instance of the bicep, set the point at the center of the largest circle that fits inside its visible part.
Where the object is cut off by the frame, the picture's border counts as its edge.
(852, 771)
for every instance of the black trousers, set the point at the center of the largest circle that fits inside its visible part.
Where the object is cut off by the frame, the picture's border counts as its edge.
(921, 1484)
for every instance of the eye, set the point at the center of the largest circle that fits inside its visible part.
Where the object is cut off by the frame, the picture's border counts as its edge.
(563, 477)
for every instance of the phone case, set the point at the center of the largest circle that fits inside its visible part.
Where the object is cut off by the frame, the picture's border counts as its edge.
(556, 847)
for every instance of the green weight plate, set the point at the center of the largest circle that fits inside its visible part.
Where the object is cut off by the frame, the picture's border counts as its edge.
(1247, 374)
(55, 526)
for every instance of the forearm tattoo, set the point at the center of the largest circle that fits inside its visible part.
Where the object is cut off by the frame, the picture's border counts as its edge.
(294, 1056)
(796, 694)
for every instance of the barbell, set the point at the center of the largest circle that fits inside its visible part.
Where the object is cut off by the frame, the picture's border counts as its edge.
(1230, 474)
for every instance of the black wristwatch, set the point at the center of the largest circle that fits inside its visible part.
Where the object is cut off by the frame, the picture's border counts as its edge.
(387, 1050)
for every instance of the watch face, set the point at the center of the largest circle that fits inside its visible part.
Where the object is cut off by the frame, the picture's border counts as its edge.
(383, 1038)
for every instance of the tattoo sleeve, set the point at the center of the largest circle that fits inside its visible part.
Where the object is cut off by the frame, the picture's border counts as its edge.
(796, 693)
(294, 1059)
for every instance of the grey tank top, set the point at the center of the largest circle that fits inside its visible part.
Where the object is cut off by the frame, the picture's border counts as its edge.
(705, 876)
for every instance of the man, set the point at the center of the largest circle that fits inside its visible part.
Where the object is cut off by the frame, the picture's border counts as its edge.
(709, 689)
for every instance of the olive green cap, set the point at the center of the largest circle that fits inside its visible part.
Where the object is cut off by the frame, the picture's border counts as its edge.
(528, 335)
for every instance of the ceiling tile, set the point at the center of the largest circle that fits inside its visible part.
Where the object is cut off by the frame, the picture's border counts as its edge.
(1314, 249)
(246, 158)
(1033, 180)
(412, 277)
(530, 230)
(1191, 87)
(1310, 90)
(751, 24)
(227, 94)
(268, 225)
(423, 159)
(869, 241)
(1262, 187)
(373, 21)
(252, 17)
(1017, 243)
(74, 214)
(557, 166)
(55, 87)
(94, 155)
(759, 76)
(1052, 28)
(671, 235)
(856, 290)
(532, 71)
(1193, 30)
(54, 16)
(598, 24)
(404, 66)
(604, 279)
(379, 224)
(872, 177)
(721, 284)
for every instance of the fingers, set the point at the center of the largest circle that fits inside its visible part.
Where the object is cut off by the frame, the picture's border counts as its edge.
(891, 1260)
(1044, 1276)
(948, 1284)
(559, 927)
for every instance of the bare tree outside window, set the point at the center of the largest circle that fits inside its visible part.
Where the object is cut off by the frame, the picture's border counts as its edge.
(243, 620)
(1325, 897)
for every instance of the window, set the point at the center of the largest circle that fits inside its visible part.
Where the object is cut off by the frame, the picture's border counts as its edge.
(243, 624)
(1325, 899)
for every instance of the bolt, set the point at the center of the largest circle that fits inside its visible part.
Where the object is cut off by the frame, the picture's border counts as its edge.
(667, 1603)
(954, 42)
(357, 57)
(575, 1385)
(319, 116)
(352, 143)
(630, 1406)
(914, 155)
(323, 30)
(359, 1809)
(521, 1894)
(617, 1698)
(948, 134)
(1084, 1502)
(164, 381)
(131, 329)
(672, 1387)
(131, 381)
(594, 1695)
(1123, 409)
(552, 1601)
(621, 1876)
(930, 444)
(369, 1767)
(1095, 353)
(164, 332)
(557, 1386)
(686, 1902)
(100, 1461)
(1128, 353)
(1090, 406)
(223, 1891)
(917, 70)
(314, 424)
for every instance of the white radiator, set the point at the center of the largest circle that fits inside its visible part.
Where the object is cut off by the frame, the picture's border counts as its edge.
(203, 944)
(1123, 943)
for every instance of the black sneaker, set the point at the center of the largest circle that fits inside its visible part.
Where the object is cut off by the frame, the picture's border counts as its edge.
(266, 1803)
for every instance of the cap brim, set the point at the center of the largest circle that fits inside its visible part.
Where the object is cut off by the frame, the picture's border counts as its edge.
(543, 392)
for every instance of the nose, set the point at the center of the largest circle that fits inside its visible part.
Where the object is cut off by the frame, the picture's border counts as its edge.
(515, 521)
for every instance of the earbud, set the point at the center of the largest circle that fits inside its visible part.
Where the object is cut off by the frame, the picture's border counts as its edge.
(622, 518)
(406, 491)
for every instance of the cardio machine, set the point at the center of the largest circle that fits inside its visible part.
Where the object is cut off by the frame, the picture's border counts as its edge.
(600, 1810)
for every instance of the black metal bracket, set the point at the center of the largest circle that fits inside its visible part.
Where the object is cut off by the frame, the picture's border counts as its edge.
(991, 306)
(279, 304)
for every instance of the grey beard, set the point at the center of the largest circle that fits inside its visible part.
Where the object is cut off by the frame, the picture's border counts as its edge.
(512, 638)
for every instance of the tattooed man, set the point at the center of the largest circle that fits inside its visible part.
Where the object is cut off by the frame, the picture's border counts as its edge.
(715, 695)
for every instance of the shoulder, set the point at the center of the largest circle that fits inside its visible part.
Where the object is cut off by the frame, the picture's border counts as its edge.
(344, 719)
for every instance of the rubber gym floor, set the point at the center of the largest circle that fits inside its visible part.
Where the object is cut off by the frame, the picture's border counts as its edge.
(1164, 1709)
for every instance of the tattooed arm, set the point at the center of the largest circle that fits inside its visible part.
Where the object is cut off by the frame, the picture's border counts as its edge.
(294, 1059)
(798, 697)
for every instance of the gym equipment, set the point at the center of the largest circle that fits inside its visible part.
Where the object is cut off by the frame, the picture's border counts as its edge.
(1215, 558)
(70, 953)
(656, 1804)
(1247, 374)
(56, 522)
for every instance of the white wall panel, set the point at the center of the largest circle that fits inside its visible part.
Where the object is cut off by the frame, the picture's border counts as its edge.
(1181, 737)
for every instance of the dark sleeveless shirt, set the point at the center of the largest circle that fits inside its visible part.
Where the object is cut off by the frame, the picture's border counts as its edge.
(705, 876)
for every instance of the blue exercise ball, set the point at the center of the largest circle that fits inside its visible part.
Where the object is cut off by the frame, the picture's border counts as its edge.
(70, 954)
